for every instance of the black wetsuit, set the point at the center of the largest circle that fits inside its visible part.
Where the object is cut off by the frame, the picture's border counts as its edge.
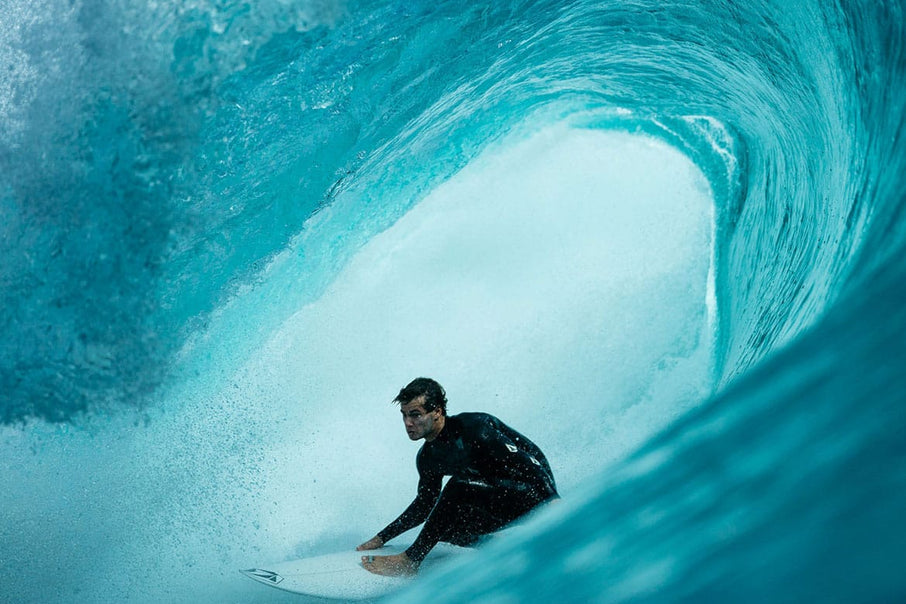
(497, 475)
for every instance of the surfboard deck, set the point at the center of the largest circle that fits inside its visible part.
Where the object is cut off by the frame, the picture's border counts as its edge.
(340, 575)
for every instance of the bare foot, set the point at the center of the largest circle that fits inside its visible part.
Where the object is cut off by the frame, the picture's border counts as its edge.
(390, 566)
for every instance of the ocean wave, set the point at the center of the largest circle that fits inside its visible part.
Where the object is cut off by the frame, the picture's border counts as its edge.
(173, 194)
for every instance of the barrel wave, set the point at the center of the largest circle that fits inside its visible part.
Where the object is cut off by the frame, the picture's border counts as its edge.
(665, 240)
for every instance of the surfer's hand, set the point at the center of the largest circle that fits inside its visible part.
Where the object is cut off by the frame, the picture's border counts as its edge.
(373, 543)
(390, 566)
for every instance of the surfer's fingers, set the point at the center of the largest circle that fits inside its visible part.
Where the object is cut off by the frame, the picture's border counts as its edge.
(373, 543)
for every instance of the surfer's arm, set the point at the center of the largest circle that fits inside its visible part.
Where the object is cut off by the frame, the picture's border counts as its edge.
(429, 485)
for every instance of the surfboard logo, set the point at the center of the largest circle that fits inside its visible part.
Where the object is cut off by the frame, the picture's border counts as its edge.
(260, 574)
(512, 448)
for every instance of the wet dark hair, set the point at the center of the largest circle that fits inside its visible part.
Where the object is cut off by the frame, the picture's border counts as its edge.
(435, 397)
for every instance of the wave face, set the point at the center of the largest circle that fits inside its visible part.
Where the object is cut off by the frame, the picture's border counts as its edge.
(211, 214)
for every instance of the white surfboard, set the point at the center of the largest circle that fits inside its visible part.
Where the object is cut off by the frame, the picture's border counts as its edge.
(340, 576)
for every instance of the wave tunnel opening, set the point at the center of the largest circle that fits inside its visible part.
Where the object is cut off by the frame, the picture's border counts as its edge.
(562, 280)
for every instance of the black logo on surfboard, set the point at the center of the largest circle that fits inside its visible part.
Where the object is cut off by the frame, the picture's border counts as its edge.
(265, 576)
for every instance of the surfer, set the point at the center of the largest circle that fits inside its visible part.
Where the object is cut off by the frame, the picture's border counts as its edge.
(497, 476)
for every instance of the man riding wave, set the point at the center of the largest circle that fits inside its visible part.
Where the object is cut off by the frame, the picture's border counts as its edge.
(497, 476)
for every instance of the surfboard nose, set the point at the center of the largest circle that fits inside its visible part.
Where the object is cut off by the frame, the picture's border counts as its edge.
(263, 575)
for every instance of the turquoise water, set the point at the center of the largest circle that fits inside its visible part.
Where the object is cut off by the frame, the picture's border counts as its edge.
(665, 240)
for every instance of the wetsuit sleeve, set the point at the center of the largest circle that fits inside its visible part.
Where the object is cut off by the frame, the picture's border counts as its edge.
(429, 485)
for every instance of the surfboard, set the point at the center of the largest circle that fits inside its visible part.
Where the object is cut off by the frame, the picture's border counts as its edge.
(340, 575)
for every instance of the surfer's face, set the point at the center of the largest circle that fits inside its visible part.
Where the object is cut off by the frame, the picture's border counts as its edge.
(420, 423)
